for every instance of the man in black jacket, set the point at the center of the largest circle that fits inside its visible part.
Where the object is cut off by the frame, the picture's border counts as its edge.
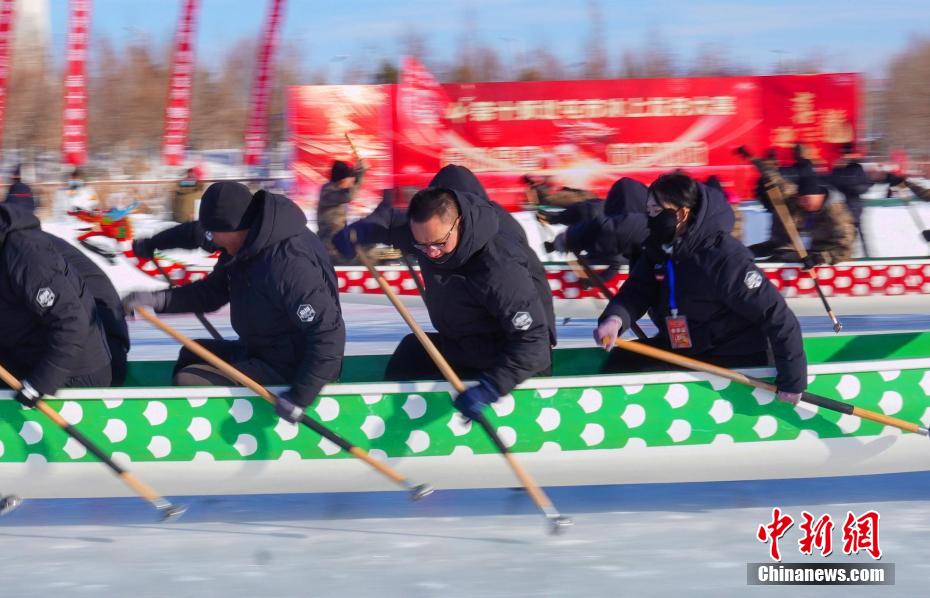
(50, 333)
(283, 297)
(485, 289)
(109, 306)
(717, 305)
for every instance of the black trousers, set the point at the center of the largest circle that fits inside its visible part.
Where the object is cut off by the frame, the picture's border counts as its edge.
(191, 370)
(410, 361)
(620, 361)
(118, 359)
(99, 378)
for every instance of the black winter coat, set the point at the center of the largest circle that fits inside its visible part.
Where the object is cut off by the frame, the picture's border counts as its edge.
(731, 307)
(49, 329)
(619, 230)
(283, 296)
(109, 306)
(187, 235)
(490, 299)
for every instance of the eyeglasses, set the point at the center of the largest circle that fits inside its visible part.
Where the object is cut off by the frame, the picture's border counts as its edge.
(438, 245)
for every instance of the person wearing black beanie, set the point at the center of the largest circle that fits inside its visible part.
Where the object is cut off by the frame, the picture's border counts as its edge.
(331, 215)
(283, 295)
(822, 219)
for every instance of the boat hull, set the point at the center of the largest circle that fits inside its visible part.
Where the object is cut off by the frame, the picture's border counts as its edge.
(572, 430)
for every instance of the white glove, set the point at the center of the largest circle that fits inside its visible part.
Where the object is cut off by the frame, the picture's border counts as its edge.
(608, 331)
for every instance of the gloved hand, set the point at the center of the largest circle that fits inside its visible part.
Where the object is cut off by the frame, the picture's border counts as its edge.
(142, 248)
(926, 235)
(27, 395)
(792, 398)
(811, 261)
(287, 409)
(156, 300)
(608, 331)
(474, 399)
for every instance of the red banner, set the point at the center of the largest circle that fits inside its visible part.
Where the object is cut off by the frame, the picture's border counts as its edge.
(320, 118)
(178, 108)
(256, 132)
(6, 37)
(74, 114)
(584, 134)
(820, 112)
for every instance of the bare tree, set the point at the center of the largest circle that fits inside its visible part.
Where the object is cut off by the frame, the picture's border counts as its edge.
(595, 65)
(906, 101)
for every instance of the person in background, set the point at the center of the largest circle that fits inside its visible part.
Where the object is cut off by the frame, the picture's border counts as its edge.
(822, 220)
(332, 211)
(186, 194)
(849, 177)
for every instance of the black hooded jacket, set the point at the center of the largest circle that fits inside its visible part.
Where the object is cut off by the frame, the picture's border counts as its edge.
(731, 307)
(616, 231)
(109, 306)
(49, 329)
(283, 296)
(21, 194)
(490, 300)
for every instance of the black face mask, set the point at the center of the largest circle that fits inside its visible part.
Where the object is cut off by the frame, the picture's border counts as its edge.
(662, 226)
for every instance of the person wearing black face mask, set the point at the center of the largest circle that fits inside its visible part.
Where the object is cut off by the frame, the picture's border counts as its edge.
(484, 288)
(707, 296)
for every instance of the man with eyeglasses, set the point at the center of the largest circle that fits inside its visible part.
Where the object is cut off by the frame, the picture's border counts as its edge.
(283, 295)
(484, 288)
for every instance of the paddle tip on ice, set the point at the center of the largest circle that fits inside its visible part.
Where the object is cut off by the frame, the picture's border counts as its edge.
(170, 512)
(8, 503)
(559, 524)
(420, 491)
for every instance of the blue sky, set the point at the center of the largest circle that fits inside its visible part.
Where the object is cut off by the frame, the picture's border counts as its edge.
(851, 35)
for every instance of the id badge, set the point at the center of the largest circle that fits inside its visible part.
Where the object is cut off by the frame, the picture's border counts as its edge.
(678, 333)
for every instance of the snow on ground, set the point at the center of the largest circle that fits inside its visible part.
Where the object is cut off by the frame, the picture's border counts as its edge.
(649, 540)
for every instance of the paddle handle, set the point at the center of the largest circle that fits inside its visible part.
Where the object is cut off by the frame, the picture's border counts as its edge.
(200, 317)
(352, 146)
(231, 372)
(437, 357)
(773, 192)
(605, 290)
(536, 493)
(807, 397)
(137, 485)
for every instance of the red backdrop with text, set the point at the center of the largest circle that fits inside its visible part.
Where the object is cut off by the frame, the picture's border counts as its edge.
(583, 134)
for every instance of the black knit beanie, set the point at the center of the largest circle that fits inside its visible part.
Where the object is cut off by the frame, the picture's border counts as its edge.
(225, 207)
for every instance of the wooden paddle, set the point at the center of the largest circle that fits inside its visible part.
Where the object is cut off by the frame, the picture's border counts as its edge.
(200, 317)
(778, 202)
(557, 522)
(417, 491)
(807, 397)
(168, 511)
(595, 278)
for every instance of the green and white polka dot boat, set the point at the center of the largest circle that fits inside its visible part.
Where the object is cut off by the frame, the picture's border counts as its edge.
(578, 427)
